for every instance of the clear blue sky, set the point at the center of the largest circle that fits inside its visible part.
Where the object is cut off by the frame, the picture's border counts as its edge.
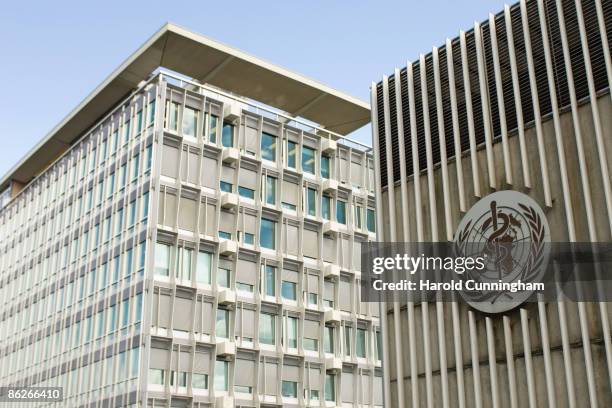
(55, 52)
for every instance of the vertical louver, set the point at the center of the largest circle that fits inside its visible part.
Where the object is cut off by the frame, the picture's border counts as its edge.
(541, 85)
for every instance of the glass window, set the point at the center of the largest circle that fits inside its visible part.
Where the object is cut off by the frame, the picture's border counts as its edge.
(223, 277)
(186, 255)
(266, 329)
(172, 116)
(311, 344)
(291, 154)
(326, 207)
(288, 206)
(162, 259)
(156, 376)
(245, 287)
(244, 389)
(225, 235)
(308, 160)
(212, 128)
(203, 267)
(288, 290)
(360, 344)
(249, 239)
(312, 299)
(227, 135)
(292, 330)
(246, 192)
(314, 395)
(190, 122)
(138, 122)
(181, 377)
(371, 220)
(267, 234)
(289, 389)
(378, 345)
(341, 212)
(268, 146)
(151, 118)
(221, 375)
(311, 201)
(347, 340)
(270, 280)
(330, 387)
(358, 211)
(199, 381)
(329, 339)
(270, 190)
(222, 324)
(225, 186)
(325, 166)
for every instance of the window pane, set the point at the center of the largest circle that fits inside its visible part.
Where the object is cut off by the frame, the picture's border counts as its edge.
(292, 323)
(156, 376)
(289, 389)
(291, 154)
(203, 267)
(221, 327)
(227, 136)
(360, 348)
(270, 280)
(341, 212)
(311, 344)
(190, 119)
(311, 201)
(266, 329)
(162, 259)
(249, 239)
(268, 146)
(329, 340)
(212, 129)
(199, 381)
(246, 192)
(308, 160)
(288, 290)
(371, 220)
(221, 368)
(270, 190)
(330, 391)
(325, 166)
(326, 207)
(267, 234)
(223, 277)
(225, 186)
(358, 217)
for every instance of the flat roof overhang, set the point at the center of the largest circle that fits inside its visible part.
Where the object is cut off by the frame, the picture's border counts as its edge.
(207, 61)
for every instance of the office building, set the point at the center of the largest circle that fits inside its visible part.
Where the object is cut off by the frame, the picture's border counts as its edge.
(520, 102)
(189, 236)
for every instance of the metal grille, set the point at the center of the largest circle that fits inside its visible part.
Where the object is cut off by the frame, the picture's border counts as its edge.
(541, 80)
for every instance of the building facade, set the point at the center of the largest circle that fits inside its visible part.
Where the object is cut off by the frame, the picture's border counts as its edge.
(191, 247)
(521, 102)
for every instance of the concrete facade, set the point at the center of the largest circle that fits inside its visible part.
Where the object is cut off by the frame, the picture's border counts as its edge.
(527, 115)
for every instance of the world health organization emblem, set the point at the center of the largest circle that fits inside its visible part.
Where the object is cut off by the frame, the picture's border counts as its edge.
(510, 231)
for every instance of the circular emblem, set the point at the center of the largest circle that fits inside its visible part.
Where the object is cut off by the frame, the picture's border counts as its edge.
(508, 229)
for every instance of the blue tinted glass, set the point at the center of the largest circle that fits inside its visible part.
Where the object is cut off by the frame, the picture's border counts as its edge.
(268, 146)
(267, 234)
(308, 160)
(325, 166)
(225, 186)
(341, 212)
(227, 136)
(246, 192)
